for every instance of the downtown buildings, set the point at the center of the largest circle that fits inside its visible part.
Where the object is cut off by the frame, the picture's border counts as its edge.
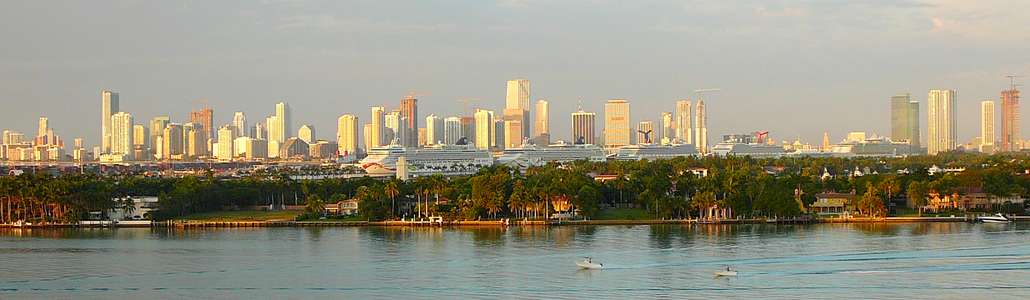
(942, 121)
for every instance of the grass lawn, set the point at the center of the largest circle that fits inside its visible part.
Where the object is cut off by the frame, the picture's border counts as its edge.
(624, 214)
(240, 216)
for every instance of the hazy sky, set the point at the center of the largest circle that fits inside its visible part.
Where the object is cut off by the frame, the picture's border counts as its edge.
(788, 67)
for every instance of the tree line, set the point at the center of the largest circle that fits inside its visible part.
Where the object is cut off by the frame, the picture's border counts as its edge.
(663, 188)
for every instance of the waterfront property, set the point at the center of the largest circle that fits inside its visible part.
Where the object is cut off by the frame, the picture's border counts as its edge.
(833, 203)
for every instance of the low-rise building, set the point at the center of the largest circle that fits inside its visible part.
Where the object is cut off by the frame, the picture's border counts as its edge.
(833, 203)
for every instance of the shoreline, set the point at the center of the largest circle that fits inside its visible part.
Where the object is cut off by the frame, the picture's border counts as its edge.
(491, 223)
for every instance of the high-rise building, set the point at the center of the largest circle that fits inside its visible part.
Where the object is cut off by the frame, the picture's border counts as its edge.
(987, 126)
(645, 133)
(514, 120)
(518, 94)
(44, 126)
(121, 133)
(280, 126)
(347, 134)
(306, 133)
(422, 137)
(701, 120)
(684, 128)
(518, 97)
(108, 107)
(541, 128)
(667, 133)
(942, 123)
(499, 132)
(157, 128)
(368, 136)
(468, 130)
(259, 131)
(616, 124)
(378, 135)
(1010, 121)
(453, 130)
(226, 145)
(172, 141)
(196, 142)
(140, 137)
(582, 127)
(204, 117)
(239, 122)
(485, 131)
(905, 121)
(434, 130)
(409, 112)
(393, 132)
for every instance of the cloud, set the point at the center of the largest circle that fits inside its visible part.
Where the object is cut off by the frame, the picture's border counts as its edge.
(999, 21)
(328, 21)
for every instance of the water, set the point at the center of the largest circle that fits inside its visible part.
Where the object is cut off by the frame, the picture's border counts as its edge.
(844, 261)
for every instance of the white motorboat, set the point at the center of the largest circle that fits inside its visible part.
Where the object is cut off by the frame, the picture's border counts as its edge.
(589, 264)
(726, 272)
(996, 218)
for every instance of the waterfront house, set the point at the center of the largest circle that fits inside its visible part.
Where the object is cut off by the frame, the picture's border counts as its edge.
(968, 198)
(833, 203)
(140, 206)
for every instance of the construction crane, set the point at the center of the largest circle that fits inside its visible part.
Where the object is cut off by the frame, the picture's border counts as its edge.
(413, 94)
(1012, 80)
(194, 104)
(467, 104)
(699, 90)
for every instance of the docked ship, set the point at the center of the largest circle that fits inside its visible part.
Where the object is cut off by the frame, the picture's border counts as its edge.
(651, 152)
(750, 149)
(531, 155)
(439, 159)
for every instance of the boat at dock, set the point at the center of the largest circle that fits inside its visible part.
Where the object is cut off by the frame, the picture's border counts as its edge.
(996, 218)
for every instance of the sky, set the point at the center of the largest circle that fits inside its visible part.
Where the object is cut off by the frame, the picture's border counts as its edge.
(793, 68)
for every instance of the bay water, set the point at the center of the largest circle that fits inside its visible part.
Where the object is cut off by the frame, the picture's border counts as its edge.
(844, 261)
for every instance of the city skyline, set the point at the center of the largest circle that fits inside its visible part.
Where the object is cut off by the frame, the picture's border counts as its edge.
(47, 78)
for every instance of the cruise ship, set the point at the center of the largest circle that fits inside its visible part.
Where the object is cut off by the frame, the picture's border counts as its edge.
(530, 155)
(750, 149)
(650, 152)
(440, 159)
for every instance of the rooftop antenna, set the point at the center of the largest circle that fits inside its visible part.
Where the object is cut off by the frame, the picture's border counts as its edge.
(1012, 80)
(580, 105)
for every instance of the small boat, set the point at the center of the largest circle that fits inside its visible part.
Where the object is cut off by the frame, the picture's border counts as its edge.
(588, 263)
(996, 218)
(726, 272)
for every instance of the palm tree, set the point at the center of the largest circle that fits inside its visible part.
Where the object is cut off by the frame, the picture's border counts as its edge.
(315, 206)
(128, 207)
(391, 191)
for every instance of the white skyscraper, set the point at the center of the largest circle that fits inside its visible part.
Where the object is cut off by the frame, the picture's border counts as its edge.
(518, 98)
(683, 124)
(347, 134)
(667, 132)
(987, 127)
(285, 114)
(941, 121)
(226, 143)
(121, 133)
(434, 130)
(701, 138)
(378, 136)
(109, 106)
(452, 131)
(485, 131)
(306, 133)
(240, 122)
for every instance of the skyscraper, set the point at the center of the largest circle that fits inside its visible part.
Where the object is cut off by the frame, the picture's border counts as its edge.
(987, 126)
(905, 121)
(368, 136)
(306, 133)
(393, 131)
(196, 141)
(44, 126)
(582, 127)
(434, 130)
(485, 131)
(204, 117)
(540, 127)
(378, 136)
(499, 132)
(701, 137)
(645, 133)
(172, 141)
(684, 130)
(347, 134)
(108, 107)
(941, 121)
(157, 128)
(1010, 120)
(409, 111)
(518, 94)
(616, 124)
(514, 121)
(140, 137)
(121, 133)
(226, 145)
(453, 130)
(667, 133)
(239, 121)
